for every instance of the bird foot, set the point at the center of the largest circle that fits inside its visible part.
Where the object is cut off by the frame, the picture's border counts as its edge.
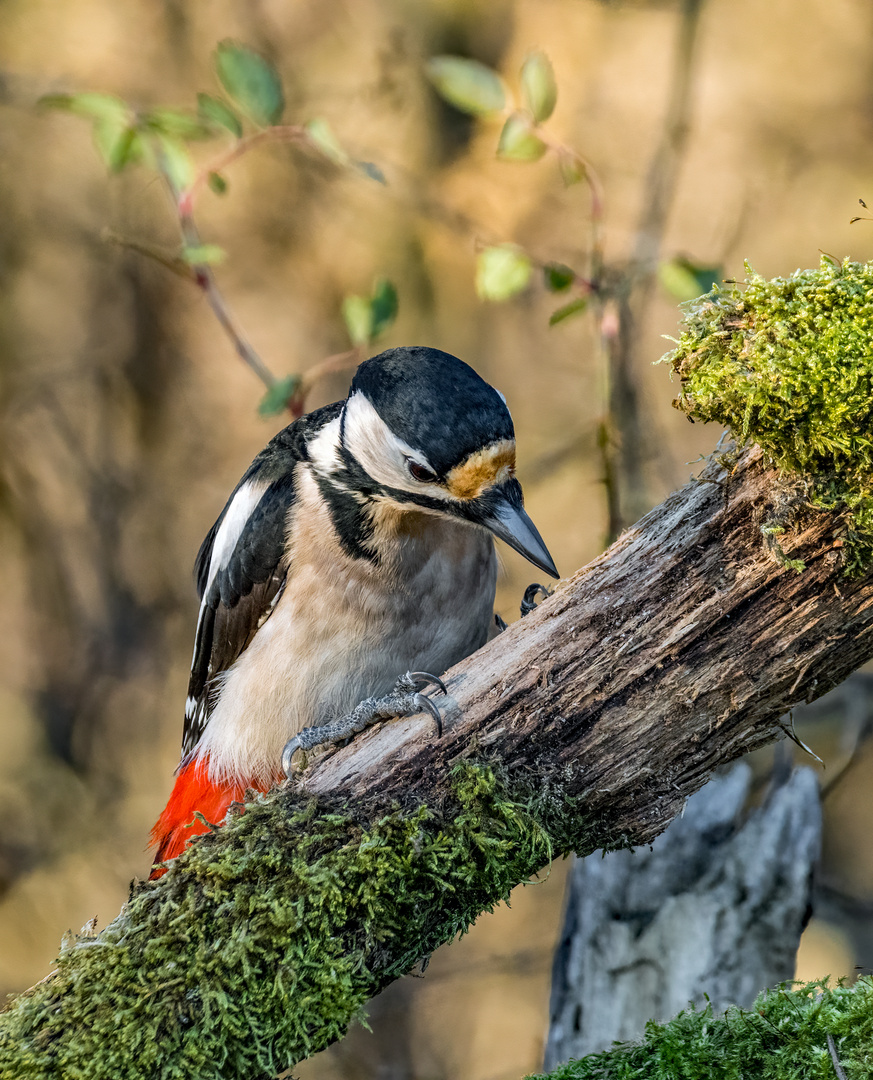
(405, 699)
(529, 600)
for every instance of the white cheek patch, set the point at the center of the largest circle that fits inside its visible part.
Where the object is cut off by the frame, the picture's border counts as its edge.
(381, 453)
(230, 530)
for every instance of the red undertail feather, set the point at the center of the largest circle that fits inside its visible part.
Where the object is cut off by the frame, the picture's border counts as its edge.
(192, 792)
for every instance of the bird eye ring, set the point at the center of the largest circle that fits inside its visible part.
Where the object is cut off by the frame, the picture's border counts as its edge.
(420, 473)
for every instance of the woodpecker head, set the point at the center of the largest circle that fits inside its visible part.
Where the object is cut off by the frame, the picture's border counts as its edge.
(421, 429)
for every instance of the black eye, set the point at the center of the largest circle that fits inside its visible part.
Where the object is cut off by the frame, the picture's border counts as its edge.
(420, 473)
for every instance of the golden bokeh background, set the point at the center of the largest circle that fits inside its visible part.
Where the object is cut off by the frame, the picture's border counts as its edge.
(126, 419)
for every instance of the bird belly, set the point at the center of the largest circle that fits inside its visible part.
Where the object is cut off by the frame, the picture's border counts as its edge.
(343, 630)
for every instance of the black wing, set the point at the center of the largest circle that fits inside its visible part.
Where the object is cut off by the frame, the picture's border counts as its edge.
(239, 570)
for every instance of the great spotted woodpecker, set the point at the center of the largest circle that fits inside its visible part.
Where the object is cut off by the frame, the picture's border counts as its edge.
(359, 544)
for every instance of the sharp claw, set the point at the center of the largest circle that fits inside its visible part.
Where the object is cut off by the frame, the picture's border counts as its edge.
(368, 712)
(425, 677)
(529, 600)
(291, 748)
(428, 706)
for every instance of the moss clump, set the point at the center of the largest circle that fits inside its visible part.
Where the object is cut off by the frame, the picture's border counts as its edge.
(267, 937)
(788, 363)
(784, 1036)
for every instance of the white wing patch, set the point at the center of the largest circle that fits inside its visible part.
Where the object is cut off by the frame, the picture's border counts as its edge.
(238, 513)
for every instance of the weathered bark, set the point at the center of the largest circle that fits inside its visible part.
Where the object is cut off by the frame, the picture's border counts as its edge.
(675, 651)
(587, 724)
(712, 912)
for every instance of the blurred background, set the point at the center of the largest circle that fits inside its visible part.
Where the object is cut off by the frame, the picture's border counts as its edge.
(721, 131)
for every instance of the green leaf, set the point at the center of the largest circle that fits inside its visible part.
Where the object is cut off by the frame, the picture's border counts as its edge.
(369, 168)
(217, 183)
(175, 161)
(251, 82)
(572, 170)
(518, 141)
(176, 124)
(468, 85)
(383, 307)
(92, 105)
(203, 254)
(322, 137)
(558, 277)
(501, 272)
(116, 142)
(685, 279)
(538, 87)
(279, 396)
(114, 128)
(358, 315)
(573, 308)
(128, 149)
(213, 111)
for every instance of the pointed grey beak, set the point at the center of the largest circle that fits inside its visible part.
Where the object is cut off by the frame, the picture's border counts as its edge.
(512, 525)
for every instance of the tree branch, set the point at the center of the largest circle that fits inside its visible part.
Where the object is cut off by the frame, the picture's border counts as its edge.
(674, 652)
(585, 725)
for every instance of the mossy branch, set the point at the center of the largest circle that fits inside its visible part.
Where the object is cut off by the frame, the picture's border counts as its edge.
(813, 1032)
(585, 725)
(788, 364)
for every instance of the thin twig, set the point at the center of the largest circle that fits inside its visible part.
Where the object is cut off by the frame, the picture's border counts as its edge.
(664, 168)
(598, 201)
(606, 447)
(838, 1068)
(279, 133)
(205, 278)
(337, 362)
(796, 739)
(168, 260)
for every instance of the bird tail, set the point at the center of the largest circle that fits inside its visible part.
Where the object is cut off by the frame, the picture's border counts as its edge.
(193, 792)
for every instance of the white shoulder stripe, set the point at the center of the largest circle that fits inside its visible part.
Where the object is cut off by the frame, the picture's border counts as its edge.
(238, 513)
(323, 448)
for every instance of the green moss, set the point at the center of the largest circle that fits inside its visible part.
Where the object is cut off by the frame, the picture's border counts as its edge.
(788, 363)
(784, 1036)
(268, 936)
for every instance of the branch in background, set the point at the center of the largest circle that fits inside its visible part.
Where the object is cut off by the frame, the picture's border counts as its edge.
(633, 289)
(168, 259)
(662, 175)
